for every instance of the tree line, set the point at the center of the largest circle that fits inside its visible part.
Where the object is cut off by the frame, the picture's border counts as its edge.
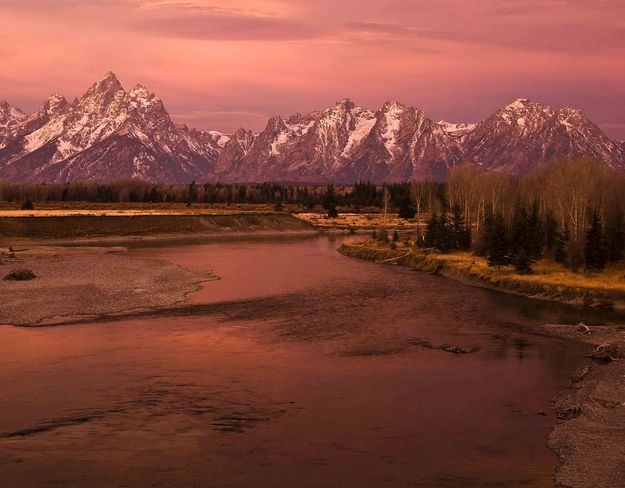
(352, 197)
(571, 212)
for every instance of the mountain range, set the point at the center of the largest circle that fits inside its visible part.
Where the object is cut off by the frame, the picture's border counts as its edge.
(110, 133)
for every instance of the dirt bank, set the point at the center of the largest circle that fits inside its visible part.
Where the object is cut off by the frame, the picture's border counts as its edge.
(88, 281)
(16, 229)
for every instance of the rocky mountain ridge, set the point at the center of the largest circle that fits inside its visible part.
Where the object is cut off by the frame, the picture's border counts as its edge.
(110, 133)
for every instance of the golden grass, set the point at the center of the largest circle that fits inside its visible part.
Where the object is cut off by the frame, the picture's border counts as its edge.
(548, 276)
(358, 221)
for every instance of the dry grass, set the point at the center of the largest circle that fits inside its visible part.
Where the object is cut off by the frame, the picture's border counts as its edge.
(359, 221)
(548, 277)
(119, 209)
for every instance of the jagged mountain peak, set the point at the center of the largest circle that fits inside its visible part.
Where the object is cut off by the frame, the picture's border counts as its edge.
(10, 115)
(56, 104)
(393, 105)
(104, 91)
(110, 133)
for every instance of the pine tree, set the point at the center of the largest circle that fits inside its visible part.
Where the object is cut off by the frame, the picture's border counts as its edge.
(615, 236)
(444, 234)
(536, 233)
(460, 233)
(431, 231)
(520, 238)
(498, 247)
(551, 232)
(595, 255)
(522, 262)
(559, 245)
(329, 202)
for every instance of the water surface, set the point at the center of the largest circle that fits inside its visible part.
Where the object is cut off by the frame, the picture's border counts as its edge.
(299, 368)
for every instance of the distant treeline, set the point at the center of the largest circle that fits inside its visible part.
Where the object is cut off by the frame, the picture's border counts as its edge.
(358, 195)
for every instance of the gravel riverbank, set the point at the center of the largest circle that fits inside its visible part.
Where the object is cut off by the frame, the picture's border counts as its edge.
(87, 281)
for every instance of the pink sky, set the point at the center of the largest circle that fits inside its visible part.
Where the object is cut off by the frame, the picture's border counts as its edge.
(221, 64)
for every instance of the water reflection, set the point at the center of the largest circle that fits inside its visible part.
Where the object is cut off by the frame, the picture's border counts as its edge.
(300, 367)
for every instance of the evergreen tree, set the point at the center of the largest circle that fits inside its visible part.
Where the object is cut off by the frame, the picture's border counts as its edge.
(431, 231)
(560, 245)
(497, 254)
(615, 236)
(522, 262)
(551, 232)
(536, 233)
(520, 238)
(460, 233)
(444, 234)
(192, 197)
(329, 202)
(595, 255)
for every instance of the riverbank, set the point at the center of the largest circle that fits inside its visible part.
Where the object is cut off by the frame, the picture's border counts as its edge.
(54, 226)
(589, 434)
(88, 281)
(550, 281)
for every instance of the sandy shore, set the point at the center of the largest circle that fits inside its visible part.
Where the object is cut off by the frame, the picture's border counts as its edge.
(87, 281)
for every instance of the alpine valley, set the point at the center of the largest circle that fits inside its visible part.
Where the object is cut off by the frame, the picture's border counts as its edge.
(110, 133)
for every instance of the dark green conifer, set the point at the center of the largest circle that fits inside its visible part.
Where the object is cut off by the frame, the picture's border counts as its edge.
(615, 236)
(595, 255)
(498, 246)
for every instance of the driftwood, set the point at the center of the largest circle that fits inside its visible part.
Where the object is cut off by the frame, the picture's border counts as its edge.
(606, 352)
(395, 258)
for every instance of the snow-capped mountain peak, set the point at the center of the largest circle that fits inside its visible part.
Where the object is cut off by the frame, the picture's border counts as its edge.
(110, 133)
(10, 115)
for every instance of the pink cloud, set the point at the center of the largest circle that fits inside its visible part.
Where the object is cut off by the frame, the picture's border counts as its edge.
(214, 62)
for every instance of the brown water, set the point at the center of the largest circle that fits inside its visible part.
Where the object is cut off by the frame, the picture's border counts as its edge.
(299, 368)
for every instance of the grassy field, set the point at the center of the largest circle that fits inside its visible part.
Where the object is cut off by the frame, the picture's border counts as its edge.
(550, 280)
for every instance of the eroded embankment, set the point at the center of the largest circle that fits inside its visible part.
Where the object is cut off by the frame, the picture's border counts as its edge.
(88, 226)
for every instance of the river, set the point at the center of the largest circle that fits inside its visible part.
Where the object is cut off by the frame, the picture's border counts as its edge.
(298, 368)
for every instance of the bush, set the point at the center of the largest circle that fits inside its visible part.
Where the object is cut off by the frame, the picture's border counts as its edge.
(27, 205)
(22, 274)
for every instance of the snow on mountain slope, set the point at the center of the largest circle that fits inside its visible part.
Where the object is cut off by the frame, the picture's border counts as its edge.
(107, 134)
(524, 134)
(110, 133)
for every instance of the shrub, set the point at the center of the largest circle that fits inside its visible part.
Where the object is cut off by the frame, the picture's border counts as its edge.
(27, 205)
(22, 274)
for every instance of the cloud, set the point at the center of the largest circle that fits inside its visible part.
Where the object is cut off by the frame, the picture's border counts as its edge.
(229, 26)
